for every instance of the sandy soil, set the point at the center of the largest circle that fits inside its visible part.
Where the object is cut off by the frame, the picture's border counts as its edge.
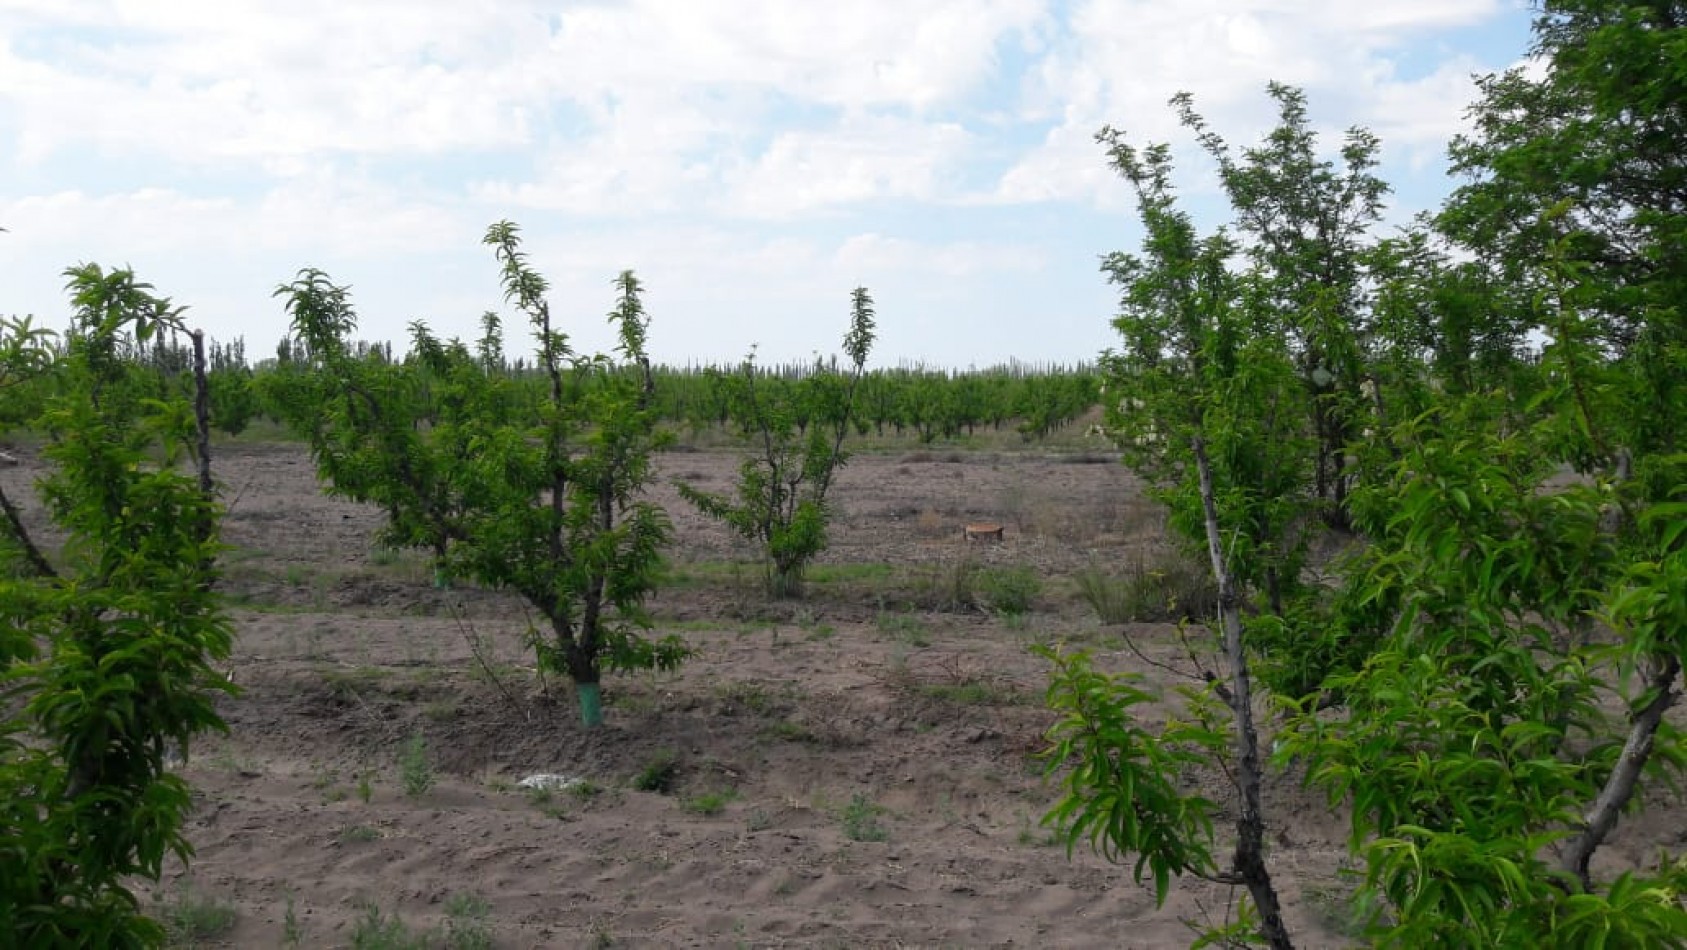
(853, 770)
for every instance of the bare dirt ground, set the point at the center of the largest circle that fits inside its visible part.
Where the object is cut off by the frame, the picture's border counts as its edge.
(855, 769)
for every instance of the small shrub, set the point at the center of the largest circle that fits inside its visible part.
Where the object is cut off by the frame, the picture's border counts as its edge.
(190, 917)
(905, 628)
(861, 820)
(360, 833)
(953, 586)
(376, 931)
(415, 772)
(709, 803)
(1010, 590)
(1170, 588)
(1031, 836)
(659, 774)
(292, 931)
(467, 924)
(790, 731)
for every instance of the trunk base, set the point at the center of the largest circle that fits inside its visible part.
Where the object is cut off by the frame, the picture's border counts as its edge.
(591, 704)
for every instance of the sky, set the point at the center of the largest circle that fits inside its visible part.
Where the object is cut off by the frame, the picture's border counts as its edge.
(752, 160)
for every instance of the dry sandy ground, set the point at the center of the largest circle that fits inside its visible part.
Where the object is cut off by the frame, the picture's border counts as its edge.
(853, 770)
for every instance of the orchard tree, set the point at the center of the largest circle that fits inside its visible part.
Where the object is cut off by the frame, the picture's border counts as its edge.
(1577, 179)
(556, 515)
(1468, 650)
(1207, 404)
(1308, 224)
(542, 502)
(781, 497)
(105, 647)
(360, 412)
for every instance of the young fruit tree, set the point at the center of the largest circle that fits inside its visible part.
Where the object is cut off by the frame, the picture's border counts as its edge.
(1483, 681)
(543, 502)
(106, 646)
(781, 502)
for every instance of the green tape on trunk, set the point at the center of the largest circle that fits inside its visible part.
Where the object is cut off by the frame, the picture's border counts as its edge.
(591, 703)
(441, 580)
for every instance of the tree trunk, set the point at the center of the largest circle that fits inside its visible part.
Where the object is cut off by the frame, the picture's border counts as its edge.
(1249, 861)
(581, 659)
(1619, 787)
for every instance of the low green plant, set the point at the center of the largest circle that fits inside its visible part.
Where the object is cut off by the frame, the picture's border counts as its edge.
(190, 917)
(378, 931)
(904, 628)
(659, 774)
(752, 696)
(1166, 589)
(1010, 590)
(415, 772)
(467, 923)
(953, 585)
(974, 692)
(292, 930)
(360, 833)
(709, 803)
(1030, 836)
(861, 822)
(442, 710)
(790, 731)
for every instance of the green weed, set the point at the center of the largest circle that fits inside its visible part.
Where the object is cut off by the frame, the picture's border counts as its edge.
(861, 820)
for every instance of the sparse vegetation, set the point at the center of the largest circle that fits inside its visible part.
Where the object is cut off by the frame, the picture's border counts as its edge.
(1168, 588)
(376, 930)
(360, 833)
(415, 771)
(1009, 590)
(292, 930)
(659, 774)
(861, 820)
(709, 803)
(905, 628)
(191, 918)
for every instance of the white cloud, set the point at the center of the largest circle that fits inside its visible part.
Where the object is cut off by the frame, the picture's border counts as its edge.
(860, 160)
(753, 159)
(872, 255)
(1122, 61)
(205, 81)
(317, 214)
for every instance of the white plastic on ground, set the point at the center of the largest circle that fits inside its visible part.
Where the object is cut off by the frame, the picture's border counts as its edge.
(546, 781)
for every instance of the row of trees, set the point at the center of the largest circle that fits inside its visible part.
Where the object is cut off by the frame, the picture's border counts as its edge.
(926, 404)
(1490, 405)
